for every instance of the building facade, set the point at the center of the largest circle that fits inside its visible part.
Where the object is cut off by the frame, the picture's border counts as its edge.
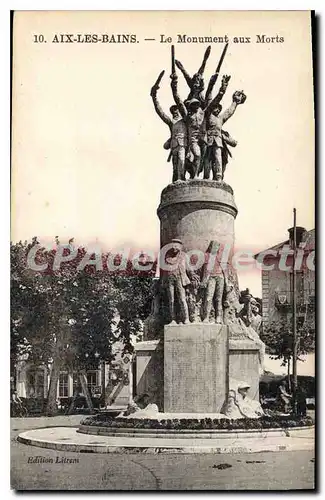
(32, 380)
(277, 278)
(113, 380)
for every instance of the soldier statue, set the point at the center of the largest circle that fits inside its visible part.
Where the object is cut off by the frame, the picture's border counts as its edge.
(256, 321)
(198, 141)
(194, 298)
(216, 139)
(252, 320)
(196, 83)
(195, 105)
(246, 313)
(178, 140)
(250, 313)
(193, 116)
(213, 281)
(175, 279)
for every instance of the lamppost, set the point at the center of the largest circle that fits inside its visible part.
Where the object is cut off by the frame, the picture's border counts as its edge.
(102, 379)
(294, 313)
(129, 359)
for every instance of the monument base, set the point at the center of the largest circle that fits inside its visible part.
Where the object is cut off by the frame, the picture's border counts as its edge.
(150, 370)
(244, 359)
(195, 368)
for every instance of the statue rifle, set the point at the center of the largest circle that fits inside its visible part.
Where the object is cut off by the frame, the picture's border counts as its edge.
(214, 78)
(205, 58)
(156, 85)
(173, 60)
(221, 59)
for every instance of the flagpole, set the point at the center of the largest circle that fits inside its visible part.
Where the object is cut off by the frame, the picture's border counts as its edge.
(294, 313)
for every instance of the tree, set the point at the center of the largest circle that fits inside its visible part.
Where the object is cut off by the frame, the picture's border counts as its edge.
(278, 337)
(29, 308)
(69, 317)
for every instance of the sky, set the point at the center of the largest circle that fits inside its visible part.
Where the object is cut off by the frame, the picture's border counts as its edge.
(87, 156)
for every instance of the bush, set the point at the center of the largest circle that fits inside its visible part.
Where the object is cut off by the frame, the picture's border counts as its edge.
(269, 385)
(265, 422)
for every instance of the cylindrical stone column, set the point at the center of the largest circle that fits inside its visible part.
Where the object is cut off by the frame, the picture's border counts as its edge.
(197, 212)
(196, 355)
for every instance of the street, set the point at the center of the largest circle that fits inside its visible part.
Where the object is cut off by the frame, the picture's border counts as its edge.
(38, 468)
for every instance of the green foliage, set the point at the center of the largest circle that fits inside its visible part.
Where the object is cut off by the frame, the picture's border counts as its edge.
(278, 338)
(70, 315)
(265, 422)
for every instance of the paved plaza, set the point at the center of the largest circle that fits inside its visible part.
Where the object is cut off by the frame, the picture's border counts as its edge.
(38, 468)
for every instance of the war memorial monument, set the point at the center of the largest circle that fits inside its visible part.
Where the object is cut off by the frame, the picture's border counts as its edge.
(199, 338)
(198, 367)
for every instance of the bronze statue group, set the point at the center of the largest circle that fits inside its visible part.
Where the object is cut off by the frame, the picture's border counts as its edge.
(197, 140)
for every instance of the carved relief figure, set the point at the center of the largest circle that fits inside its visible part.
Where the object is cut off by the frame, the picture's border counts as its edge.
(175, 279)
(194, 298)
(256, 321)
(213, 281)
(248, 315)
(153, 323)
(231, 304)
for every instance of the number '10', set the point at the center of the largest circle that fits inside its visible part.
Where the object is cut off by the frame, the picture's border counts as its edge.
(39, 39)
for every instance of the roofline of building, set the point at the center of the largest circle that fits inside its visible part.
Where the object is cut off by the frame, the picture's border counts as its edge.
(278, 245)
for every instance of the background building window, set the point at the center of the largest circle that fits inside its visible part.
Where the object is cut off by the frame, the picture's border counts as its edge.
(92, 380)
(35, 383)
(76, 383)
(63, 385)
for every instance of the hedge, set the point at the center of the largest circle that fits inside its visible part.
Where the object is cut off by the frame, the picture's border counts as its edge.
(265, 422)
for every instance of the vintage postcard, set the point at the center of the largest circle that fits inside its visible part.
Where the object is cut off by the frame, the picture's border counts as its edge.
(162, 251)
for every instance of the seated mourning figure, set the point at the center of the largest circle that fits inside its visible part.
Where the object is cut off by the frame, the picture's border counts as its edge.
(239, 405)
(140, 408)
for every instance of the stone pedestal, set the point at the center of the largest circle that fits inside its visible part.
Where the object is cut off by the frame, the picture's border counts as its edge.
(191, 368)
(197, 212)
(195, 368)
(150, 370)
(244, 364)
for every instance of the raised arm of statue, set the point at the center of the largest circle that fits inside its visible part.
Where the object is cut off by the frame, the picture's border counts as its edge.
(214, 77)
(211, 104)
(165, 118)
(208, 94)
(205, 58)
(185, 73)
(176, 96)
(238, 98)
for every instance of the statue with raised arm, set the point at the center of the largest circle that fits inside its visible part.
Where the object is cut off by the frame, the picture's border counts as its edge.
(196, 82)
(178, 130)
(198, 158)
(193, 116)
(213, 80)
(217, 139)
(197, 140)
